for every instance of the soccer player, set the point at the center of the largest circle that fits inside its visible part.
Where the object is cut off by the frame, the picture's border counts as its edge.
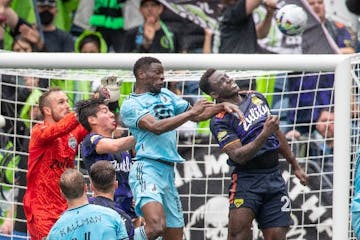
(83, 220)
(98, 145)
(257, 189)
(103, 184)
(52, 149)
(152, 114)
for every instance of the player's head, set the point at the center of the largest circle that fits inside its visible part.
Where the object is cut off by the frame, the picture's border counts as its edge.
(102, 177)
(94, 114)
(54, 104)
(318, 6)
(72, 184)
(218, 84)
(149, 74)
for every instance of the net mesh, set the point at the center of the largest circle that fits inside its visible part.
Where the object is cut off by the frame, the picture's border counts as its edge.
(298, 98)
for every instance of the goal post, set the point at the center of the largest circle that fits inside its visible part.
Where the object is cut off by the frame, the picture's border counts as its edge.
(189, 67)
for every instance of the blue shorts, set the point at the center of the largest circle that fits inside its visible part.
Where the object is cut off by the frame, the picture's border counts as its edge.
(263, 191)
(355, 223)
(15, 236)
(152, 180)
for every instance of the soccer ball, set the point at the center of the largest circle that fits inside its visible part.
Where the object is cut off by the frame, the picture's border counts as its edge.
(291, 19)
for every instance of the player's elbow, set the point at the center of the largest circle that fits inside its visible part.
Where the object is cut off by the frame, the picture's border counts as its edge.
(239, 158)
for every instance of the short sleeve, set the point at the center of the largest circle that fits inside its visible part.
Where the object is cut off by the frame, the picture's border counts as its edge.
(223, 132)
(180, 105)
(131, 113)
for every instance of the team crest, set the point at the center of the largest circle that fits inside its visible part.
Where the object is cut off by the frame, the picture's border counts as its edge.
(238, 202)
(221, 135)
(153, 188)
(255, 100)
(72, 142)
(164, 99)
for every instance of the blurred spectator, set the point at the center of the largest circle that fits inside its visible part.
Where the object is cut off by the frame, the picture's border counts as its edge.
(108, 19)
(237, 28)
(82, 15)
(343, 36)
(309, 93)
(21, 30)
(154, 36)
(56, 40)
(322, 148)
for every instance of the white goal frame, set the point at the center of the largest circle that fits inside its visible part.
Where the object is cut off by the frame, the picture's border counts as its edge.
(340, 64)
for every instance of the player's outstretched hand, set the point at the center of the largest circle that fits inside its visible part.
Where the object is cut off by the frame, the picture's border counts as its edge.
(234, 109)
(301, 175)
(200, 106)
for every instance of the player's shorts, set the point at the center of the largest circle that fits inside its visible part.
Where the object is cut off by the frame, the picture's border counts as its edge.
(263, 191)
(355, 223)
(152, 180)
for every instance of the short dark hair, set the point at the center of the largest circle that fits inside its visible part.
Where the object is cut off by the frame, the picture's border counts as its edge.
(44, 98)
(87, 108)
(72, 183)
(204, 81)
(91, 38)
(102, 176)
(143, 64)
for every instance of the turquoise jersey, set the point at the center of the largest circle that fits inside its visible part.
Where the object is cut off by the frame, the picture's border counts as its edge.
(356, 200)
(161, 105)
(90, 222)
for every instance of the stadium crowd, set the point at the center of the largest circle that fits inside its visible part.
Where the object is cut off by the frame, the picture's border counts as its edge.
(132, 26)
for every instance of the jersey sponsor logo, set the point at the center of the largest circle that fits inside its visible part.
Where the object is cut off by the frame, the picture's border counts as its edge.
(238, 202)
(123, 166)
(56, 164)
(161, 111)
(72, 142)
(222, 135)
(254, 114)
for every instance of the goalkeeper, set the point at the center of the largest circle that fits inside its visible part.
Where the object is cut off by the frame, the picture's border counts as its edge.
(52, 149)
(257, 189)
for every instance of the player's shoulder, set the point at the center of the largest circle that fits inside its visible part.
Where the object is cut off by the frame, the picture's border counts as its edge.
(93, 137)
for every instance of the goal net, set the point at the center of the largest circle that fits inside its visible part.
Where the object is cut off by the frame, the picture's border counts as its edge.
(301, 92)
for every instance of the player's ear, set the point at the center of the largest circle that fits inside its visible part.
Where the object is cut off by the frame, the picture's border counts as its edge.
(92, 120)
(141, 74)
(91, 186)
(214, 95)
(116, 184)
(47, 110)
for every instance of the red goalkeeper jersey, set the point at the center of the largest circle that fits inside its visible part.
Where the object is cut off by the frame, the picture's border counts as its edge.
(52, 150)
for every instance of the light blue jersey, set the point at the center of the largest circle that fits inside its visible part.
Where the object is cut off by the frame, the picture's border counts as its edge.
(356, 200)
(89, 222)
(355, 206)
(162, 105)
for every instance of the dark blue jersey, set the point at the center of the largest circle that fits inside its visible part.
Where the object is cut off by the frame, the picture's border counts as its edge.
(227, 129)
(121, 162)
(106, 202)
